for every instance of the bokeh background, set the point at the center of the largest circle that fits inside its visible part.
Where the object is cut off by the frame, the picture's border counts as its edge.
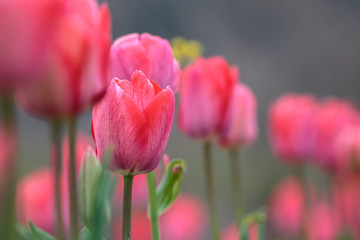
(302, 46)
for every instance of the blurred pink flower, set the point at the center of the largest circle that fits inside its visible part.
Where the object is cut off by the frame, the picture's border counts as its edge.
(286, 208)
(135, 119)
(150, 54)
(334, 116)
(292, 127)
(25, 30)
(240, 123)
(76, 73)
(205, 90)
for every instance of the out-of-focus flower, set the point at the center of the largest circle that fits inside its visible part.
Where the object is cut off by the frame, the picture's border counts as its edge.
(150, 54)
(25, 30)
(286, 208)
(35, 199)
(205, 90)
(240, 124)
(135, 120)
(334, 116)
(186, 51)
(292, 127)
(322, 222)
(232, 233)
(184, 220)
(77, 63)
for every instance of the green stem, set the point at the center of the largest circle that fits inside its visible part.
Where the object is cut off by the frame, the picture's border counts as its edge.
(150, 177)
(210, 191)
(235, 174)
(126, 218)
(72, 181)
(57, 166)
(7, 193)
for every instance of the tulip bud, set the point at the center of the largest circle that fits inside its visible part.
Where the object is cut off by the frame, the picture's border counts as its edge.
(205, 90)
(150, 54)
(240, 123)
(292, 127)
(135, 119)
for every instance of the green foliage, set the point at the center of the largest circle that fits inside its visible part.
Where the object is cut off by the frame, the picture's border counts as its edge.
(170, 185)
(258, 218)
(39, 234)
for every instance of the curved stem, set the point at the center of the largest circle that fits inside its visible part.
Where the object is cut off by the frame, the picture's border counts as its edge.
(150, 177)
(235, 174)
(57, 166)
(126, 218)
(72, 181)
(210, 191)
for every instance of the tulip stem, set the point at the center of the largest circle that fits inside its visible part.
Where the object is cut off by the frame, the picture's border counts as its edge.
(126, 218)
(210, 191)
(72, 181)
(150, 177)
(57, 166)
(7, 191)
(235, 173)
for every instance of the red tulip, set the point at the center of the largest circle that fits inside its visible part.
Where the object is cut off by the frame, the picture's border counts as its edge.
(135, 120)
(76, 71)
(25, 30)
(206, 86)
(150, 54)
(292, 127)
(334, 116)
(286, 208)
(240, 123)
(183, 220)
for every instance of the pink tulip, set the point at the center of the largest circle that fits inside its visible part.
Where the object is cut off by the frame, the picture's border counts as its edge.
(184, 220)
(286, 208)
(135, 120)
(334, 116)
(25, 30)
(240, 123)
(292, 127)
(77, 63)
(206, 86)
(150, 54)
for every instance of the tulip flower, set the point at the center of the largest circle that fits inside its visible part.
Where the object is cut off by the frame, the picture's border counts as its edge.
(150, 54)
(334, 116)
(292, 127)
(135, 120)
(240, 123)
(286, 208)
(206, 87)
(25, 31)
(76, 72)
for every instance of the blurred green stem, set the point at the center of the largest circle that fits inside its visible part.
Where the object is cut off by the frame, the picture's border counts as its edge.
(57, 166)
(150, 177)
(7, 191)
(210, 191)
(74, 231)
(235, 175)
(126, 218)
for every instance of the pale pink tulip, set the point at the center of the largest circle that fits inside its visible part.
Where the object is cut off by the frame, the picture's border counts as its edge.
(135, 120)
(150, 54)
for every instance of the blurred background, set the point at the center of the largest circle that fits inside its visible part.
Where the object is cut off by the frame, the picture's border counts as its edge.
(279, 46)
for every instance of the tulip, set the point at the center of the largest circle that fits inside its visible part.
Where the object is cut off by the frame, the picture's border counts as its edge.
(292, 127)
(135, 120)
(25, 30)
(206, 86)
(76, 72)
(286, 208)
(334, 116)
(240, 123)
(150, 54)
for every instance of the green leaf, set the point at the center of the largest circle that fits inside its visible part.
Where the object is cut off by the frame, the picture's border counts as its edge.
(23, 233)
(257, 217)
(170, 185)
(39, 234)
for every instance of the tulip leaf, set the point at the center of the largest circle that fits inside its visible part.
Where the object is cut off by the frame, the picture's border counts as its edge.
(39, 234)
(23, 233)
(170, 185)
